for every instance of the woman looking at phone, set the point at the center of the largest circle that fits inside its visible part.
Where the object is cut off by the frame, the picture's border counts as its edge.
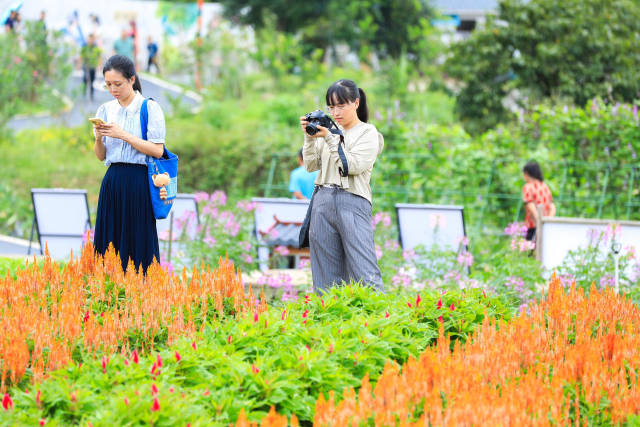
(125, 214)
(340, 232)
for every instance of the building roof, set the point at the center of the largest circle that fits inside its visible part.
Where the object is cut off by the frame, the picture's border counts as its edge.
(464, 7)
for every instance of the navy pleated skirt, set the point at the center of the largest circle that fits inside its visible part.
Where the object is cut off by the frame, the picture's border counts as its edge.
(125, 216)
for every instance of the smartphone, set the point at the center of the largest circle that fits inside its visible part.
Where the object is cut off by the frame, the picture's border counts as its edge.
(97, 121)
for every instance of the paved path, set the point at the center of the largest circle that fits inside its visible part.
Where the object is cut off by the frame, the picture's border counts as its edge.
(83, 108)
(11, 246)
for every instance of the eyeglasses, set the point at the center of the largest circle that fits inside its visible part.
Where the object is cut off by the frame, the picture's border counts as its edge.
(340, 107)
(116, 85)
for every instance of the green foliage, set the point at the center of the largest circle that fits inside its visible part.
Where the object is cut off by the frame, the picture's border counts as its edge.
(224, 231)
(284, 357)
(10, 266)
(41, 158)
(595, 264)
(15, 210)
(363, 25)
(575, 50)
(34, 71)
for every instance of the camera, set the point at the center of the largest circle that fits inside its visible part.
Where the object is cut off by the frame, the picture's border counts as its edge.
(317, 118)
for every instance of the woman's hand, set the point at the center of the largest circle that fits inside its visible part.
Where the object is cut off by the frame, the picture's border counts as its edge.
(99, 131)
(322, 131)
(112, 130)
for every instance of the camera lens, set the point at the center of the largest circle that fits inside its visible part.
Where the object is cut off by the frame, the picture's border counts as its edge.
(311, 129)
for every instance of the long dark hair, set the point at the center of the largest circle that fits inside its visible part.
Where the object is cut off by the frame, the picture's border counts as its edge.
(345, 91)
(124, 66)
(533, 170)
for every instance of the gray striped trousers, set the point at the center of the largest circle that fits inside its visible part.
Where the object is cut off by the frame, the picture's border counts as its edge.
(341, 241)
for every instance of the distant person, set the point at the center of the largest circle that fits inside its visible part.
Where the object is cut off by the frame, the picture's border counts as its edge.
(535, 193)
(133, 33)
(90, 54)
(11, 21)
(95, 29)
(152, 49)
(43, 17)
(125, 214)
(124, 45)
(301, 182)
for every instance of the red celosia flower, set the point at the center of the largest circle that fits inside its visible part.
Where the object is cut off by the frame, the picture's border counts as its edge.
(105, 360)
(254, 369)
(178, 356)
(284, 313)
(229, 339)
(193, 344)
(330, 348)
(38, 394)
(154, 389)
(156, 405)
(440, 319)
(135, 357)
(73, 397)
(126, 362)
(86, 317)
(418, 299)
(153, 369)
(386, 314)
(42, 421)
(439, 305)
(322, 301)
(452, 307)
(7, 403)
(171, 389)
(255, 317)
(305, 314)
(159, 361)
(409, 304)
(126, 400)
(206, 392)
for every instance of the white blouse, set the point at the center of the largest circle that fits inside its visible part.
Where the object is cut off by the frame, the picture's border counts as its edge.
(128, 118)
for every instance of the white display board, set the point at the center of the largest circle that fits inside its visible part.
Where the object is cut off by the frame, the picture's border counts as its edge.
(61, 217)
(430, 225)
(267, 209)
(557, 236)
(185, 211)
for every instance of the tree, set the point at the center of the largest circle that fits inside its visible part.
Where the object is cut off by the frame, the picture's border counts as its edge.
(390, 28)
(564, 49)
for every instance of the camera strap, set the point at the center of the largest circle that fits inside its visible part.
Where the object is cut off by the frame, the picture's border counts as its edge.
(344, 170)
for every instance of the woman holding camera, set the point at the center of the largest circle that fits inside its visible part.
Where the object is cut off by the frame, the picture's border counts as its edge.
(340, 232)
(125, 214)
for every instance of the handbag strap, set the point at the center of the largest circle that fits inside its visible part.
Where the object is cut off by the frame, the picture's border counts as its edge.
(144, 125)
(144, 118)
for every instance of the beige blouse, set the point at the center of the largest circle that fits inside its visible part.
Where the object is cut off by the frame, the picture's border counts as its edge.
(363, 144)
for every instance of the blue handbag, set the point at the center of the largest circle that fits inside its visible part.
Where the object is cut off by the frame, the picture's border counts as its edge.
(163, 173)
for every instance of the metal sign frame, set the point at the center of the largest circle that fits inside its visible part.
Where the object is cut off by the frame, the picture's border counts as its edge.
(35, 225)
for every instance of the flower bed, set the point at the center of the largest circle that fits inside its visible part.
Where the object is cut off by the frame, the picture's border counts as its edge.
(571, 359)
(274, 356)
(51, 313)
